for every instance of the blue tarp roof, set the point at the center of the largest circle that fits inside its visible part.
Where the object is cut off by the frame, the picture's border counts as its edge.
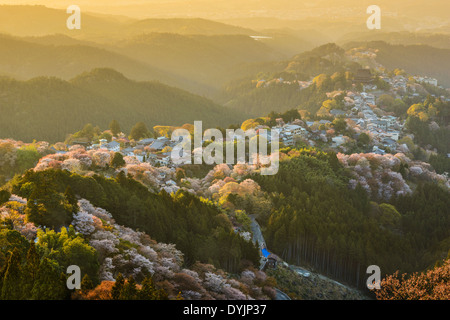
(265, 252)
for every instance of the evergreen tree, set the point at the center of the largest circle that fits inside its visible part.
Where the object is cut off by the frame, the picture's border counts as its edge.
(2, 277)
(65, 292)
(12, 281)
(129, 291)
(139, 131)
(48, 284)
(88, 132)
(115, 127)
(71, 199)
(117, 288)
(117, 161)
(34, 211)
(162, 295)
(148, 290)
(31, 270)
(86, 284)
(4, 196)
(45, 206)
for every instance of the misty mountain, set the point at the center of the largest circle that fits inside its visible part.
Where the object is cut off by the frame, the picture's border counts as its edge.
(46, 108)
(273, 86)
(185, 26)
(262, 8)
(209, 60)
(414, 59)
(41, 56)
(41, 21)
(437, 40)
(197, 63)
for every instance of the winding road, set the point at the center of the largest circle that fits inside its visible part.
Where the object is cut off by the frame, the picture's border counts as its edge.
(259, 238)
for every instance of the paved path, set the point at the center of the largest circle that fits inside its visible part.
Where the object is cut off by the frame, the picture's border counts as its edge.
(257, 234)
(259, 238)
(281, 295)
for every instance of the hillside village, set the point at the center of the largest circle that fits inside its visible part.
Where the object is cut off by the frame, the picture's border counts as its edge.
(116, 143)
(384, 130)
(360, 110)
(354, 120)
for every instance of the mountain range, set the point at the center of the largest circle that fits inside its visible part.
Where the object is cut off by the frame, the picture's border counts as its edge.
(49, 108)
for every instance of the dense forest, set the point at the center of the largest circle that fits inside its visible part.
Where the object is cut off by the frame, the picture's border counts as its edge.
(49, 108)
(197, 227)
(198, 63)
(318, 221)
(65, 57)
(428, 121)
(37, 271)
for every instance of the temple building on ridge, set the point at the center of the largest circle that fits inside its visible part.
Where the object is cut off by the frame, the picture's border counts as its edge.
(363, 76)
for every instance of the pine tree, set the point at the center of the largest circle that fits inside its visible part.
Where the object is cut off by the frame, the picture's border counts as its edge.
(33, 211)
(121, 178)
(2, 276)
(117, 289)
(71, 199)
(148, 290)
(115, 127)
(117, 161)
(162, 295)
(129, 291)
(48, 284)
(12, 281)
(4, 196)
(30, 270)
(139, 131)
(64, 292)
(86, 284)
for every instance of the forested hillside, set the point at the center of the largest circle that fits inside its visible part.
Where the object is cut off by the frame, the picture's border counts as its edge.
(197, 227)
(275, 87)
(198, 63)
(65, 57)
(414, 59)
(49, 108)
(210, 60)
(318, 221)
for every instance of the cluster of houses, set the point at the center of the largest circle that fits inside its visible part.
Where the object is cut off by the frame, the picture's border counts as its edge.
(267, 83)
(427, 80)
(384, 130)
(146, 150)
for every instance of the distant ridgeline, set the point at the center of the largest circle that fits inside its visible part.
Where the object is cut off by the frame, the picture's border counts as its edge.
(326, 65)
(49, 108)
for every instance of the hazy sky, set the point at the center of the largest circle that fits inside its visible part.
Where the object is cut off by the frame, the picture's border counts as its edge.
(289, 9)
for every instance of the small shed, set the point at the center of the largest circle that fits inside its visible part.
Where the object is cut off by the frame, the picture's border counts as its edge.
(272, 261)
